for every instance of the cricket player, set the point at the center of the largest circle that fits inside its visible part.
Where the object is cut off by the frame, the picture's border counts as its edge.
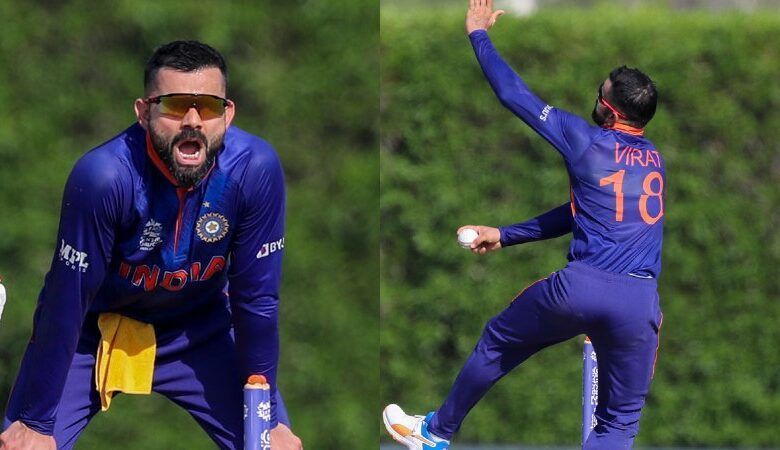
(166, 273)
(608, 290)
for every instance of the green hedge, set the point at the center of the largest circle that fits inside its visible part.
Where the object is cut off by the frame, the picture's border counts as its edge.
(451, 155)
(304, 76)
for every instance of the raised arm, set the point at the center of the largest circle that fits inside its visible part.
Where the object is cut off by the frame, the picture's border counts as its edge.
(568, 133)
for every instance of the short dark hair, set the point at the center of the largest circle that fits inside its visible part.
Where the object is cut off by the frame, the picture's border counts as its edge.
(633, 94)
(184, 56)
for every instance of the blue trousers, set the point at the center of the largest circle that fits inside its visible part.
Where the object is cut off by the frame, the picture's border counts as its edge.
(621, 315)
(196, 367)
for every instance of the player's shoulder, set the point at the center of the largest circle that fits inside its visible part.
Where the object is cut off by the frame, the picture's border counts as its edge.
(577, 130)
(246, 151)
(110, 163)
(639, 142)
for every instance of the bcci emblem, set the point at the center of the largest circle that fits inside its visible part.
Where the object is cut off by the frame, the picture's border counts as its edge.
(212, 227)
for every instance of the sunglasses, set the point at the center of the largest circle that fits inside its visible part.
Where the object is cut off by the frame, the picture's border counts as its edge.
(177, 105)
(607, 105)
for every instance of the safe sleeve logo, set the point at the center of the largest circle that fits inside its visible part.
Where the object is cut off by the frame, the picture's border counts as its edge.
(73, 258)
(545, 113)
(270, 247)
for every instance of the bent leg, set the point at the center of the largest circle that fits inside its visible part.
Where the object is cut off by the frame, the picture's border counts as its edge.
(537, 318)
(205, 382)
(626, 354)
(197, 368)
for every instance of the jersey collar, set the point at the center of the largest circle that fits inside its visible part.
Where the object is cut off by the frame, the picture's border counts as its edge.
(627, 129)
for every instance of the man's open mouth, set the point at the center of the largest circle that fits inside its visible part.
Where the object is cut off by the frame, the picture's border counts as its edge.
(190, 152)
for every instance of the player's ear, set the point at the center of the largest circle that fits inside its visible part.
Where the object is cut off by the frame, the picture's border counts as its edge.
(609, 121)
(230, 112)
(142, 112)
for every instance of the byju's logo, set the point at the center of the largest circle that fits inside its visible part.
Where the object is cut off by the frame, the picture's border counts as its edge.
(270, 247)
(73, 258)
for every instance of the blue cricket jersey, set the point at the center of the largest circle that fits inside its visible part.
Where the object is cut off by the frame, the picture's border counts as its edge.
(130, 241)
(617, 177)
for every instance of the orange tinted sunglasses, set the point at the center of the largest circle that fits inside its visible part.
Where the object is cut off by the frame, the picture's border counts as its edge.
(178, 104)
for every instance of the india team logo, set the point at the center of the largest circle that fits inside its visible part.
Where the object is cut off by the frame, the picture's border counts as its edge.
(212, 227)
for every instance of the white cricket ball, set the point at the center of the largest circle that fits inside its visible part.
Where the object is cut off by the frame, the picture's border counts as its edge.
(466, 237)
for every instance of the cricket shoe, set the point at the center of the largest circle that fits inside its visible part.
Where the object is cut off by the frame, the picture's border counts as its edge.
(411, 431)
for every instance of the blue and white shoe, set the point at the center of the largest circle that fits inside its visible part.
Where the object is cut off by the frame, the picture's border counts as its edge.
(411, 431)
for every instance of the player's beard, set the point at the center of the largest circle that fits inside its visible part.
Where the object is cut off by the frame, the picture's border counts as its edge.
(599, 118)
(186, 176)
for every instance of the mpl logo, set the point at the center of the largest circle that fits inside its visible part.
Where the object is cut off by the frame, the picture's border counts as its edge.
(270, 247)
(73, 258)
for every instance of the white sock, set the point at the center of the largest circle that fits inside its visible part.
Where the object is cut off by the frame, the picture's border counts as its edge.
(437, 439)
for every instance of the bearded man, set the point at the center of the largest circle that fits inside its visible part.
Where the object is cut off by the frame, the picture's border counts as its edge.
(167, 268)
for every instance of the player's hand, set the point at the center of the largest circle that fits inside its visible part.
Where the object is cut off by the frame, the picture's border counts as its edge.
(282, 438)
(19, 437)
(481, 16)
(488, 239)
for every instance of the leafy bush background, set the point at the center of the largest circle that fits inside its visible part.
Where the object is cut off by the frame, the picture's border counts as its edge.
(451, 155)
(304, 76)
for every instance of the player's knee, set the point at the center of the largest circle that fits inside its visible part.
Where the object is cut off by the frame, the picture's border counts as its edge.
(625, 425)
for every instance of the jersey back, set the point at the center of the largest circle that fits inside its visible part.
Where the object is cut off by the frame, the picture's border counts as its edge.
(617, 176)
(617, 200)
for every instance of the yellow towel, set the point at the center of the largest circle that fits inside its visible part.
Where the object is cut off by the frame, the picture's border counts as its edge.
(125, 357)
